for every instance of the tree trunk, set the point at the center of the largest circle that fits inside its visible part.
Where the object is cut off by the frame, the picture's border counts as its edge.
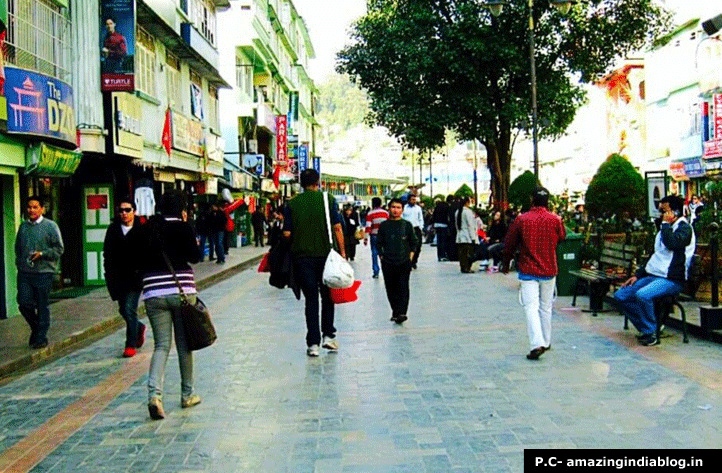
(499, 163)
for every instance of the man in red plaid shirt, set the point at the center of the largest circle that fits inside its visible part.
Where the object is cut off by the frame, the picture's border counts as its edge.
(536, 234)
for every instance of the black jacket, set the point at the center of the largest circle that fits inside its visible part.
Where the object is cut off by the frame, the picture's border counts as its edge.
(441, 213)
(176, 238)
(121, 259)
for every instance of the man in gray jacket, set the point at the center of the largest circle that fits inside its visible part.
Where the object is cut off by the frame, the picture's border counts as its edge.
(38, 247)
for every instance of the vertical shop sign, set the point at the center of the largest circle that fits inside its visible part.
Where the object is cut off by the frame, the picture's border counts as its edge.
(302, 158)
(717, 116)
(292, 111)
(282, 140)
(117, 45)
(317, 164)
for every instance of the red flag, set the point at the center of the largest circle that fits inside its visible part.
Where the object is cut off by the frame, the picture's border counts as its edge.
(277, 177)
(166, 140)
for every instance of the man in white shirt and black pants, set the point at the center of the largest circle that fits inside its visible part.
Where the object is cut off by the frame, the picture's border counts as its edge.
(414, 215)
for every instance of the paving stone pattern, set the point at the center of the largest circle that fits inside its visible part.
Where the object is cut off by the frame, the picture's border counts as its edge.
(449, 391)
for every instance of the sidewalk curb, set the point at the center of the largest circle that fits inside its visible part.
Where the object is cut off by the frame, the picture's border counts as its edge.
(104, 327)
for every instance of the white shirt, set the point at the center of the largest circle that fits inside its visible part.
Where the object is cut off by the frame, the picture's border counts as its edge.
(125, 228)
(414, 215)
(144, 201)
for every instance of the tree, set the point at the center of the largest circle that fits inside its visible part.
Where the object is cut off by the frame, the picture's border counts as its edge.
(464, 191)
(616, 189)
(520, 190)
(431, 65)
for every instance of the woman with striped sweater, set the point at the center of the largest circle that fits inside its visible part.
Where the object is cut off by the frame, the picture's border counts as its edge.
(169, 234)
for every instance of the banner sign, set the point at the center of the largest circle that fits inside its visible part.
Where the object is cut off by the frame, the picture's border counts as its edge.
(127, 132)
(282, 140)
(45, 160)
(676, 170)
(39, 105)
(694, 168)
(317, 164)
(292, 111)
(196, 102)
(302, 158)
(712, 149)
(117, 45)
(187, 134)
(713, 168)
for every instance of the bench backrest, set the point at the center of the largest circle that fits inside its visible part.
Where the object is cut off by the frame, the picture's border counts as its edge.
(694, 276)
(618, 255)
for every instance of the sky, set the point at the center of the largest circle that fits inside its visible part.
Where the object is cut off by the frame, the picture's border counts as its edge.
(328, 23)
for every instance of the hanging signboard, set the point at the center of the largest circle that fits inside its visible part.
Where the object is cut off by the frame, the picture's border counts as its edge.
(302, 158)
(127, 132)
(187, 134)
(117, 45)
(39, 105)
(282, 140)
(676, 170)
(694, 168)
(45, 160)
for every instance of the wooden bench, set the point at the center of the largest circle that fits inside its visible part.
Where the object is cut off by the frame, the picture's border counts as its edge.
(616, 265)
(664, 305)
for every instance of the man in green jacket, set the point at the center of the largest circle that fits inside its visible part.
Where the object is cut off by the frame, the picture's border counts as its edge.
(305, 224)
(396, 242)
(38, 247)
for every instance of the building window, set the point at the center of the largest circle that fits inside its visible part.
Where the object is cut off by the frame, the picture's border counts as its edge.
(38, 38)
(213, 120)
(244, 79)
(173, 81)
(203, 16)
(196, 95)
(145, 63)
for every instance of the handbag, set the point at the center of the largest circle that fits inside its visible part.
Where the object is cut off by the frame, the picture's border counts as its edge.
(197, 325)
(337, 273)
(360, 233)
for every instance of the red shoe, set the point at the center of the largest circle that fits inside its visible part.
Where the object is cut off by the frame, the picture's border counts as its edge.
(141, 336)
(129, 352)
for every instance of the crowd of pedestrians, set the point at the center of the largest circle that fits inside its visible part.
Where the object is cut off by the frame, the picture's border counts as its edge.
(151, 262)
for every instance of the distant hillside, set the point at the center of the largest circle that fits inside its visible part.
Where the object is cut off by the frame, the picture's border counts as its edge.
(341, 105)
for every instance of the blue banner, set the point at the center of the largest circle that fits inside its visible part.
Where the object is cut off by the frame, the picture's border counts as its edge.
(302, 158)
(39, 105)
(317, 164)
(694, 168)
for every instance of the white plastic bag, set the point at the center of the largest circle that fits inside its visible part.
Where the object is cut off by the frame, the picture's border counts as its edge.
(337, 273)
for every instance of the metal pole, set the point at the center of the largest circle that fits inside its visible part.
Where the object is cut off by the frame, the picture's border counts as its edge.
(421, 173)
(713, 244)
(476, 194)
(532, 62)
(431, 178)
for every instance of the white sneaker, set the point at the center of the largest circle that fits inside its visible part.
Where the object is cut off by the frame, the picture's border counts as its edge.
(330, 344)
(312, 350)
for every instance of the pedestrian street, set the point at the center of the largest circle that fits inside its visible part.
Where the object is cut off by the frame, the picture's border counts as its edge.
(449, 391)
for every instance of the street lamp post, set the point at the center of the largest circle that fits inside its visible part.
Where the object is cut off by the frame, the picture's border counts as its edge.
(431, 178)
(563, 6)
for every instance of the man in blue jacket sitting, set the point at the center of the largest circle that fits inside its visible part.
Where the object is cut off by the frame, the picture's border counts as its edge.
(664, 274)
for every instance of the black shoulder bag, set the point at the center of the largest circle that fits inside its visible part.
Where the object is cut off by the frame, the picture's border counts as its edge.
(197, 325)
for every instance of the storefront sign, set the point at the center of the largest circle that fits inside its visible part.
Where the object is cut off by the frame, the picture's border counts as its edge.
(254, 163)
(196, 102)
(39, 105)
(127, 135)
(96, 202)
(267, 185)
(242, 180)
(117, 45)
(45, 160)
(281, 139)
(713, 168)
(317, 164)
(302, 158)
(187, 134)
(694, 168)
(676, 170)
(712, 149)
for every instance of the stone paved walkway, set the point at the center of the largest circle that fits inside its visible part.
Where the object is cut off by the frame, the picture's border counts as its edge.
(449, 391)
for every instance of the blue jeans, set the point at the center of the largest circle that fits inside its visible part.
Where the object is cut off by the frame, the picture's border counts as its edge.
(218, 242)
(210, 240)
(637, 300)
(128, 308)
(309, 273)
(34, 303)
(165, 319)
(374, 254)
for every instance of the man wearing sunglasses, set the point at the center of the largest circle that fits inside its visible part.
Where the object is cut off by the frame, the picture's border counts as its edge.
(122, 272)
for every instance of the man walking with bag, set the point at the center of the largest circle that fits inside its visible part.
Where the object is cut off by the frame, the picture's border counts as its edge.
(307, 224)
